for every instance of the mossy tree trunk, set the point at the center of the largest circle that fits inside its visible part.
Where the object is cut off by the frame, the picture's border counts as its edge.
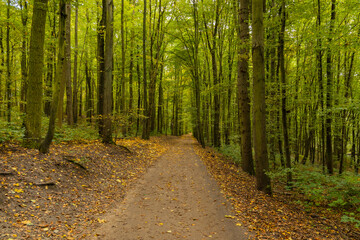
(36, 61)
(259, 109)
(244, 88)
(59, 79)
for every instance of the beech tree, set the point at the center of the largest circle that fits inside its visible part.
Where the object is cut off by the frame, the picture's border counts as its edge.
(32, 135)
(259, 114)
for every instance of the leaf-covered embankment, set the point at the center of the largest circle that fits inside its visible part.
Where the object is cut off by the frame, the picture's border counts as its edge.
(60, 194)
(276, 217)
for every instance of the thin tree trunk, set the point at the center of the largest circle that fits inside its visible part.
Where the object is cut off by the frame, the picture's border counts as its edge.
(198, 126)
(75, 76)
(329, 74)
(24, 20)
(8, 70)
(69, 98)
(145, 131)
(101, 67)
(283, 98)
(107, 107)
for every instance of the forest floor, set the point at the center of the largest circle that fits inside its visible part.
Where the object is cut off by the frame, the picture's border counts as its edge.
(165, 188)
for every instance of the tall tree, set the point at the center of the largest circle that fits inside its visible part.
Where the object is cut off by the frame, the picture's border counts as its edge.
(244, 87)
(8, 69)
(24, 20)
(212, 45)
(329, 85)
(59, 79)
(107, 105)
(75, 76)
(67, 76)
(283, 93)
(36, 61)
(145, 132)
(101, 64)
(196, 76)
(259, 111)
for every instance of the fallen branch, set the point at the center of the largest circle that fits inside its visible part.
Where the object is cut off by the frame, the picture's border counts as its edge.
(123, 147)
(45, 184)
(6, 173)
(73, 160)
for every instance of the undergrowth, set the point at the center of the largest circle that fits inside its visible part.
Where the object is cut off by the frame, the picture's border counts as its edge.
(14, 131)
(232, 151)
(340, 192)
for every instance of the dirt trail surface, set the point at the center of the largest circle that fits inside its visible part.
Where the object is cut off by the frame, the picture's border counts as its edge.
(175, 199)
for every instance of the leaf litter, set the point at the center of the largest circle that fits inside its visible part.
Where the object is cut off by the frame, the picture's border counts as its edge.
(45, 196)
(276, 217)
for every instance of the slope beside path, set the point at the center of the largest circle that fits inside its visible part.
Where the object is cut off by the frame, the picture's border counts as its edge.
(175, 199)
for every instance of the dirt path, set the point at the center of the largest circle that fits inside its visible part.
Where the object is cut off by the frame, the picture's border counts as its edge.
(175, 199)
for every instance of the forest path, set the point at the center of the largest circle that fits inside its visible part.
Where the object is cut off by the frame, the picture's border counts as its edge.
(175, 199)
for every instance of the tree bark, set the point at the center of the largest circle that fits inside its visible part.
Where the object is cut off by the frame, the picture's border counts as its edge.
(75, 76)
(243, 89)
(196, 77)
(329, 84)
(101, 67)
(8, 70)
(67, 76)
(107, 105)
(259, 112)
(24, 20)
(283, 92)
(32, 136)
(59, 79)
(145, 132)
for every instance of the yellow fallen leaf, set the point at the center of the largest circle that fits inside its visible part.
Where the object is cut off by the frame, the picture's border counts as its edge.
(229, 216)
(27, 222)
(101, 220)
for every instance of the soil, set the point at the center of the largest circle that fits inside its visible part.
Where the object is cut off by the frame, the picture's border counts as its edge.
(175, 199)
(62, 194)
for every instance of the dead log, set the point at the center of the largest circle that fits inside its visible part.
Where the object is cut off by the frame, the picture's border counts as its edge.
(45, 184)
(73, 160)
(125, 148)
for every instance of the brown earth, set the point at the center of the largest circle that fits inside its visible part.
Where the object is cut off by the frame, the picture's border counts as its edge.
(175, 199)
(62, 194)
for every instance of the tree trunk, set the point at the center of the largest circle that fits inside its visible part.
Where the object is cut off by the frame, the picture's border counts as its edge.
(247, 163)
(67, 76)
(283, 98)
(101, 67)
(259, 109)
(24, 20)
(329, 74)
(8, 70)
(107, 105)
(59, 79)
(75, 77)
(145, 132)
(32, 136)
(196, 77)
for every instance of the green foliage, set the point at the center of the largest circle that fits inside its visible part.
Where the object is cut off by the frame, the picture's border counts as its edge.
(11, 131)
(82, 132)
(351, 219)
(339, 191)
(232, 151)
